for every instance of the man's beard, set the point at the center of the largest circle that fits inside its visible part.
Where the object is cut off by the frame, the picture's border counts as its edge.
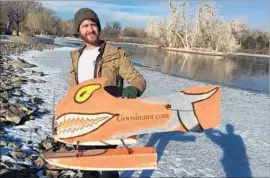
(90, 39)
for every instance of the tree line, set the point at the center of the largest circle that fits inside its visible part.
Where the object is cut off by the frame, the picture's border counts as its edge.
(186, 28)
(203, 28)
(32, 18)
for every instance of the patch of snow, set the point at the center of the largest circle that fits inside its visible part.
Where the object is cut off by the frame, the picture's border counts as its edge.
(238, 147)
(5, 158)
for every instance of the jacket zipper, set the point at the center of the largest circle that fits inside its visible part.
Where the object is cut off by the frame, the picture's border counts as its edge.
(99, 57)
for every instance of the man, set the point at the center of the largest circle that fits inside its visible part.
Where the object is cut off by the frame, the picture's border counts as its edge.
(100, 59)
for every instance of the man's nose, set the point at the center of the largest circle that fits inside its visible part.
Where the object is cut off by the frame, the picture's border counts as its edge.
(90, 28)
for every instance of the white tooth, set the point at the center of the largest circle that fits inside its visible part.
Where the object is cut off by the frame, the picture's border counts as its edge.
(60, 120)
(57, 122)
(66, 118)
(63, 120)
(102, 118)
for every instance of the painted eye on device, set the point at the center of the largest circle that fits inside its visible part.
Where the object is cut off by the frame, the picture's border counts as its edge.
(84, 93)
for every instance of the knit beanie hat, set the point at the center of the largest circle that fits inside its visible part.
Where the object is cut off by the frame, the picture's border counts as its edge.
(83, 14)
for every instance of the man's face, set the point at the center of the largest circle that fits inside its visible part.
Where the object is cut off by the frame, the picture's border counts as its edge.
(89, 31)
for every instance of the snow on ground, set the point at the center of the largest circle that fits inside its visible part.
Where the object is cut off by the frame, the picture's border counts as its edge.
(240, 146)
(53, 87)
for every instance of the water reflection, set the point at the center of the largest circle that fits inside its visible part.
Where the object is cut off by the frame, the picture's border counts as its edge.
(199, 67)
(239, 71)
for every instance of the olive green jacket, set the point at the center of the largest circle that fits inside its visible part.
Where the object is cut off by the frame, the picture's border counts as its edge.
(113, 64)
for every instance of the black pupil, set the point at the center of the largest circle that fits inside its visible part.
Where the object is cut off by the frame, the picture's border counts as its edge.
(82, 93)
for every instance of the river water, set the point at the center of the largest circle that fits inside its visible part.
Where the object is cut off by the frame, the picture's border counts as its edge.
(245, 72)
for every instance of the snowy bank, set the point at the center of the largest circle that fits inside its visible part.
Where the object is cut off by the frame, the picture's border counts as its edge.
(202, 51)
(238, 147)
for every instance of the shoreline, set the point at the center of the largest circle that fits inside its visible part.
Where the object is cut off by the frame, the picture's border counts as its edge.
(192, 51)
(21, 110)
(199, 51)
(191, 161)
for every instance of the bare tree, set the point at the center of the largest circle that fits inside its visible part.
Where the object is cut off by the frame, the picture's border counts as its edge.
(134, 32)
(33, 22)
(5, 20)
(43, 21)
(66, 27)
(186, 28)
(177, 30)
(239, 29)
(18, 10)
(55, 21)
(111, 29)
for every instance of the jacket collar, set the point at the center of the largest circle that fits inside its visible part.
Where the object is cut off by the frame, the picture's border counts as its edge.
(105, 49)
(101, 49)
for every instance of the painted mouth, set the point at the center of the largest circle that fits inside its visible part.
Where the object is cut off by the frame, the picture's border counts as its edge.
(72, 125)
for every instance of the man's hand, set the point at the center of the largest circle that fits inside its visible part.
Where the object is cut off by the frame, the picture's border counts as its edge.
(130, 92)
